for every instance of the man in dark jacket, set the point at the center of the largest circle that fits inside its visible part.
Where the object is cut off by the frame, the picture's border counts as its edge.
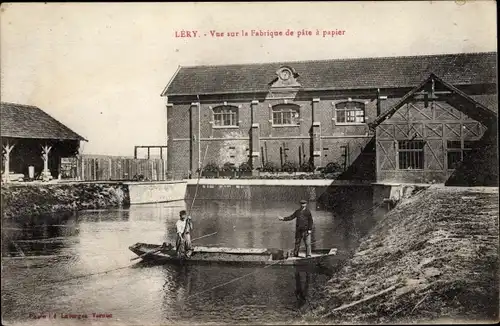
(303, 227)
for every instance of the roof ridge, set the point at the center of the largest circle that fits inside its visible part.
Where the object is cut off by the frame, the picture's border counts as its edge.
(389, 112)
(340, 59)
(19, 104)
(55, 121)
(60, 123)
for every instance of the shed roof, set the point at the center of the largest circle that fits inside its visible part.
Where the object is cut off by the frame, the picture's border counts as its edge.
(480, 111)
(358, 73)
(26, 121)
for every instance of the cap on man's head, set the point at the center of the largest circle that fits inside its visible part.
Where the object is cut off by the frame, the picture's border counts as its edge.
(183, 212)
(303, 201)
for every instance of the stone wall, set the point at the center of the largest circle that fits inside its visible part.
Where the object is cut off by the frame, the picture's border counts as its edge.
(156, 192)
(265, 189)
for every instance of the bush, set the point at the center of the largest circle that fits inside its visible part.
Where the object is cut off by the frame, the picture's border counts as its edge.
(228, 166)
(332, 176)
(139, 177)
(245, 167)
(290, 167)
(307, 167)
(269, 167)
(287, 177)
(332, 167)
(211, 167)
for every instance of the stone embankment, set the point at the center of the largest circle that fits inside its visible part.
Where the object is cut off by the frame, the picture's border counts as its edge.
(433, 258)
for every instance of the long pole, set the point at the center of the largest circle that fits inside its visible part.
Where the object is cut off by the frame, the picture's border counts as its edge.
(198, 182)
(203, 236)
(189, 212)
(199, 134)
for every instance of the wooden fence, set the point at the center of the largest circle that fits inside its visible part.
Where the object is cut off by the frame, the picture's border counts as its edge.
(113, 168)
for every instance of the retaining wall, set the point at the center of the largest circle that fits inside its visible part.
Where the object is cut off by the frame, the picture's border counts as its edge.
(278, 190)
(156, 192)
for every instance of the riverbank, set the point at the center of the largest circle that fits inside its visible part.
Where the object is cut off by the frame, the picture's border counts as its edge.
(35, 199)
(40, 198)
(434, 257)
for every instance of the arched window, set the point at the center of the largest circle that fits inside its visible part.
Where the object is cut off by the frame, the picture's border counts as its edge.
(350, 112)
(225, 115)
(285, 114)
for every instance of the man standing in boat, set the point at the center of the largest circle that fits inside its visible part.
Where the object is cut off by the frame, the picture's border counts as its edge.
(184, 227)
(303, 227)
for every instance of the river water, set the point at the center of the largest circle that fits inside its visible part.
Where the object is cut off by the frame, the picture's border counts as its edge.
(85, 269)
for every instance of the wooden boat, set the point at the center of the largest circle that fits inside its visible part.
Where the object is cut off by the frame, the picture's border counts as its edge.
(149, 253)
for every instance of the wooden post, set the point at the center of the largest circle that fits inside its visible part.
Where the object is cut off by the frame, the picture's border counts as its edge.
(110, 161)
(59, 165)
(378, 103)
(45, 157)
(352, 304)
(199, 136)
(163, 176)
(153, 172)
(82, 165)
(300, 156)
(7, 148)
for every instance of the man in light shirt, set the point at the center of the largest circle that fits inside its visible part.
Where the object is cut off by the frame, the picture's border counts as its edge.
(184, 227)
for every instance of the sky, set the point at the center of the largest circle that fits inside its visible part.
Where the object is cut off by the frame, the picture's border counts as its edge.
(100, 68)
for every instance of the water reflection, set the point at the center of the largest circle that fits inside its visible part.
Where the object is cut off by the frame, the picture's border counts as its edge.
(45, 235)
(106, 215)
(179, 283)
(207, 294)
(255, 224)
(97, 241)
(302, 288)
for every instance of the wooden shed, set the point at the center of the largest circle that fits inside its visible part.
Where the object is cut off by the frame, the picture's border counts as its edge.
(429, 132)
(32, 138)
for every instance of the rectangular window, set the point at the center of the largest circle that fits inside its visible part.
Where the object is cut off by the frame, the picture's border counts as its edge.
(282, 118)
(225, 117)
(468, 145)
(411, 154)
(350, 112)
(285, 115)
(455, 152)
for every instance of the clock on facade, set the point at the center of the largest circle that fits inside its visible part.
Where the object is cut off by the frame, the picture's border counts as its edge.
(285, 74)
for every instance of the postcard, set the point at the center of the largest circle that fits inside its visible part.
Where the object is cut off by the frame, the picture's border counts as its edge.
(249, 163)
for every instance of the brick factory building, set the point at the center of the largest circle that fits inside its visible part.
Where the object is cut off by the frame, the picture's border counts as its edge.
(330, 111)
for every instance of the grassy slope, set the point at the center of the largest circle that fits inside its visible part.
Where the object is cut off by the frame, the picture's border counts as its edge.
(439, 248)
